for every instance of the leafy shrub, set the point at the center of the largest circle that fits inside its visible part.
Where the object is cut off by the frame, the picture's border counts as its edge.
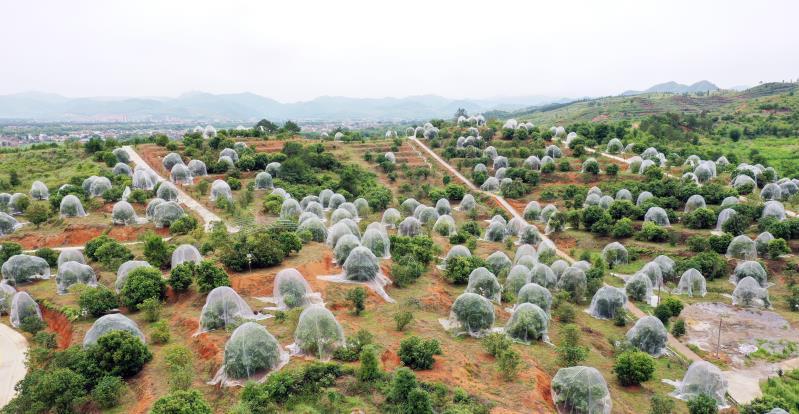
(652, 232)
(181, 402)
(48, 254)
(459, 267)
(32, 324)
(634, 367)
(710, 264)
(183, 225)
(357, 297)
(496, 343)
(151, 308)
(160, 333)
(108, 391)
(210, 276)
(97, 301)
(777, 248)
(119, 353)
(703, 404)
(417, 353)
(142, 283)
(112, 254)
(157, 252)
(678, 329)
(402, 319)
(719, 243)
(570, 352)
(623, 228)
(701, 218)
(181, 277)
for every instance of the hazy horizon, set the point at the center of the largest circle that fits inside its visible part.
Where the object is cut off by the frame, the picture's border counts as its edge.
(457, 50)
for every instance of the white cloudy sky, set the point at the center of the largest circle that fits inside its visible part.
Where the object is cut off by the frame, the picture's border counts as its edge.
(297, 50)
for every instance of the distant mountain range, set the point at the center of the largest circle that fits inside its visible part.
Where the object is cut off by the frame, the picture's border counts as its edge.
(201, 106)
(674, 87)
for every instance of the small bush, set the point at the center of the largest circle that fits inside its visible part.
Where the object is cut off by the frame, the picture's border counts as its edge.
(108, 391)
(777, 248)
(417, 353)
(357, 298)
(32, 324)
(97, 301)
(459, 268)
(181, 277)
(633, 367)
(402, 319)
(160, 333)
(702, 404)
(151, 308)
(496, 343)
(508, 364)
(678, 329)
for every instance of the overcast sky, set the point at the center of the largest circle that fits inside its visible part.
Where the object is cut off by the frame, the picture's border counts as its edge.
(297, 50)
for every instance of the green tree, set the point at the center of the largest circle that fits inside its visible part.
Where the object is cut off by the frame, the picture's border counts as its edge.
(633, 367)
(58, 390)
(108, 391)
(142, 283)
(418, 403)
(156, 250)
(181, 402)
(703, 404)
(38, 213)
(370, 368)
(97, 301)
(13, 178)
(660, 404)
(509, 363)
(570, 352)
(210, 276)
(48, 254)
(151, 308)
(357, 297)
(402, 384)
(458, 268)
(417, 353)
(181, 277)
(402, 319)
(119, 353)
(112, 254)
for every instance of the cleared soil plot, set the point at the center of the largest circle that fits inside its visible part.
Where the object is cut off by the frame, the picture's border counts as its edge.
(742, 330)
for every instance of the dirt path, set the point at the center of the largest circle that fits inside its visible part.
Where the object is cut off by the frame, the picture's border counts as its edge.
(207, 215)
(634, 310)
(13, 348)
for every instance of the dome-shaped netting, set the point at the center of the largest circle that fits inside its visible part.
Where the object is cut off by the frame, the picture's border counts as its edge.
(771, 191)
(750, 268)
(694, 202)
(499, 219)
(614, 146)
(377, 241)
(142, 179)
(316, 209)
(654, 272)
(71, 273)
(532, 162)
(580, 390)
(496, 232)
(528, 323)
(553, 151)
(121, 154)
(648, 335)
(498, 261)
(634, 164)
(443, 207)
(592, 199)
(318, 333)
(500, 173)
(167, 191)
(150, 210)
(558, 267)
(467, 203)
(605, 201)
(166, 213)
(547, 212)
(229, 152)
(642, 197)
(490, 184)
(691, 283)
(480, 167)
(749, 293)
(532, 211)
(524, 250)
(281, 192)
(172, 159)
(71, 207)
(391, 218)
(87, 183)
(543, 275)
(123, 213)
(689, 177)
(7, 293)
(515, 226)
(336, 200)
(590, 164)
(484, 283)
(125, 269)
(445, 226)
(500, 162)
(185, 253)
(338, 231)
(8, 224)
(344, 246)
(71, 255)
(471, 314)
(290, 209)
(639, 287)
(180, 174)
(308, 200)
(39, 191)
(729, 201)
(583, 265)
(615, 253)
(22, 307)
(22, 268)
(774, 209)
(98, 186)
(250, 354)
(490, 152)
(409, 205)
(350, 208)
(122, 169)
(761, 242)
(535, 294)
(624, 194)
(410, 226)
(528, 261)
(220, 189)
(573, 281)
(224, 159)
(704, 172)
(607, 302)
(361, 207)
(724, 215)
(197, 168)
(668, 267)
(224, 308)
(742, 247)
(518, 276)
(547, 247)
(340, 214)
(645, 165)
(529, 234)
(702, 377)
(742, 181)
(788, 188)
(324, 197)
(692, 161)
(361, 265)
(315, 227)
(658, 216)
(110, 323)
(291, 290)
(390, 157)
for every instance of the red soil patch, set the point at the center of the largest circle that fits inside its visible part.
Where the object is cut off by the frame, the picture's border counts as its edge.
(145, 394)
(58, 323)
(78, 235)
